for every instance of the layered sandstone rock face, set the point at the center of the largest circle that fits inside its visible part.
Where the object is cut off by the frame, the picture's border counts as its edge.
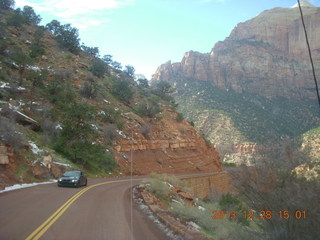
(266, 55)
(168, 147)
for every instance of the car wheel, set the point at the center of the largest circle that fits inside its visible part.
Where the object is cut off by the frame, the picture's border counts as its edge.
(78, 184)
(85, 183)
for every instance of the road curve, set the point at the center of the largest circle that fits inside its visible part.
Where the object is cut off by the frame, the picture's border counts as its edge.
(100, 211)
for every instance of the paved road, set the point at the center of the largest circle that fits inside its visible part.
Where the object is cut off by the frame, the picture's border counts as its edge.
(100, 211)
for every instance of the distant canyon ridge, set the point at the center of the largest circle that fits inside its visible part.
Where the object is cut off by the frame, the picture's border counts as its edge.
(266, 55)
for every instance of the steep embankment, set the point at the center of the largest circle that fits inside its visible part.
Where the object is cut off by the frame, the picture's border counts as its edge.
(165, 146)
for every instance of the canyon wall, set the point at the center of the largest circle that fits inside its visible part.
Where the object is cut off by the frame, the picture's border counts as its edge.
(266, 55)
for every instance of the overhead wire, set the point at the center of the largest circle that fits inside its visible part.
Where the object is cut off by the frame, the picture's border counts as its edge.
(310, 54)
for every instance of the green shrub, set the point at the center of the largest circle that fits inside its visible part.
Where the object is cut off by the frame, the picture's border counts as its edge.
(129, 71)
(7, 4)
(37, 47)
(98, 67)
(158, 188)
(30, 17)
(89, 89)
(93, 51)
(112, 116)
(121, 90)
(179, 117)
(88, 155)
(19, 57)
(229, 164)
(110, 133)
(16, 19)
(9, 133)
(24, 16)
(66, 35)
(228, 202)
(148, 109)
(3, 46)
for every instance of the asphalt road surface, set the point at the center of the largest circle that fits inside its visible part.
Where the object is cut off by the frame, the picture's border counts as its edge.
(100, 211)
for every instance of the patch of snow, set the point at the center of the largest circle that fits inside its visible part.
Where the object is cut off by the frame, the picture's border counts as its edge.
(62, 164)
(106, 101)
(21, 103)
(21, 89)
(59, 127)
(4, 85)
(176, 201)
(34, 68)
(201, 208)
(102, 113)
(194, 226)
(15, 108)
(94, 126)
(34, 148)
(169, 185)
(25, 185)
(15, 65)
(116, 109)
(26, 116)
(121, 133)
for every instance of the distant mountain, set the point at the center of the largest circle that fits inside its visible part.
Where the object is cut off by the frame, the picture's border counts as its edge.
(254, 89)
(266, 55)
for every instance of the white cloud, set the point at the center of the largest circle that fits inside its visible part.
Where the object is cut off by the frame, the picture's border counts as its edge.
(80, 13)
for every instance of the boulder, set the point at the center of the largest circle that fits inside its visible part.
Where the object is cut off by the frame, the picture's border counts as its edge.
(39, 171)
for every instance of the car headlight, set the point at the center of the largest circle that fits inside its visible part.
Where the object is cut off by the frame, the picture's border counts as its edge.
(60, 180)
(74, 180)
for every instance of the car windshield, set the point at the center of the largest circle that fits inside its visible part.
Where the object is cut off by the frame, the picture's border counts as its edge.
(71, 174)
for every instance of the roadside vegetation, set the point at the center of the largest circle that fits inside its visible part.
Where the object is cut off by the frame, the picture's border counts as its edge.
(275, 200)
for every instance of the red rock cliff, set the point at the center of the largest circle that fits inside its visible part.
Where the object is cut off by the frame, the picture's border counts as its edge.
(168, 147)
(266, 55)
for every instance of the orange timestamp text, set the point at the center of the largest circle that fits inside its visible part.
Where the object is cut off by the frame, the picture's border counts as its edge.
(251, 214)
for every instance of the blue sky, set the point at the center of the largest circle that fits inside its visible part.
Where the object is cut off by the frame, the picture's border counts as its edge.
(147, 33)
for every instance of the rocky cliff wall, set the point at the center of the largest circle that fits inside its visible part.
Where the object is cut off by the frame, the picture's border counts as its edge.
(169, 147)
(266, 55)
(211, 185)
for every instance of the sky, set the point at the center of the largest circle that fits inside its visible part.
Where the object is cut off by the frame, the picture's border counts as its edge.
(148, 33)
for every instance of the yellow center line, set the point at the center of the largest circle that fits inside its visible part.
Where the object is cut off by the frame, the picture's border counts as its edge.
(35, 235)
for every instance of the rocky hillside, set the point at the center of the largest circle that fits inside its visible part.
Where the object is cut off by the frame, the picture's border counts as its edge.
(63, 106)
(255, 89)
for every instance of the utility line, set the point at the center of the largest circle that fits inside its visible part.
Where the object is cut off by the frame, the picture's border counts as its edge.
(310, 55)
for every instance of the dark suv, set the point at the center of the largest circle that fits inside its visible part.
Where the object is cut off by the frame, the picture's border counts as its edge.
(72, 179)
